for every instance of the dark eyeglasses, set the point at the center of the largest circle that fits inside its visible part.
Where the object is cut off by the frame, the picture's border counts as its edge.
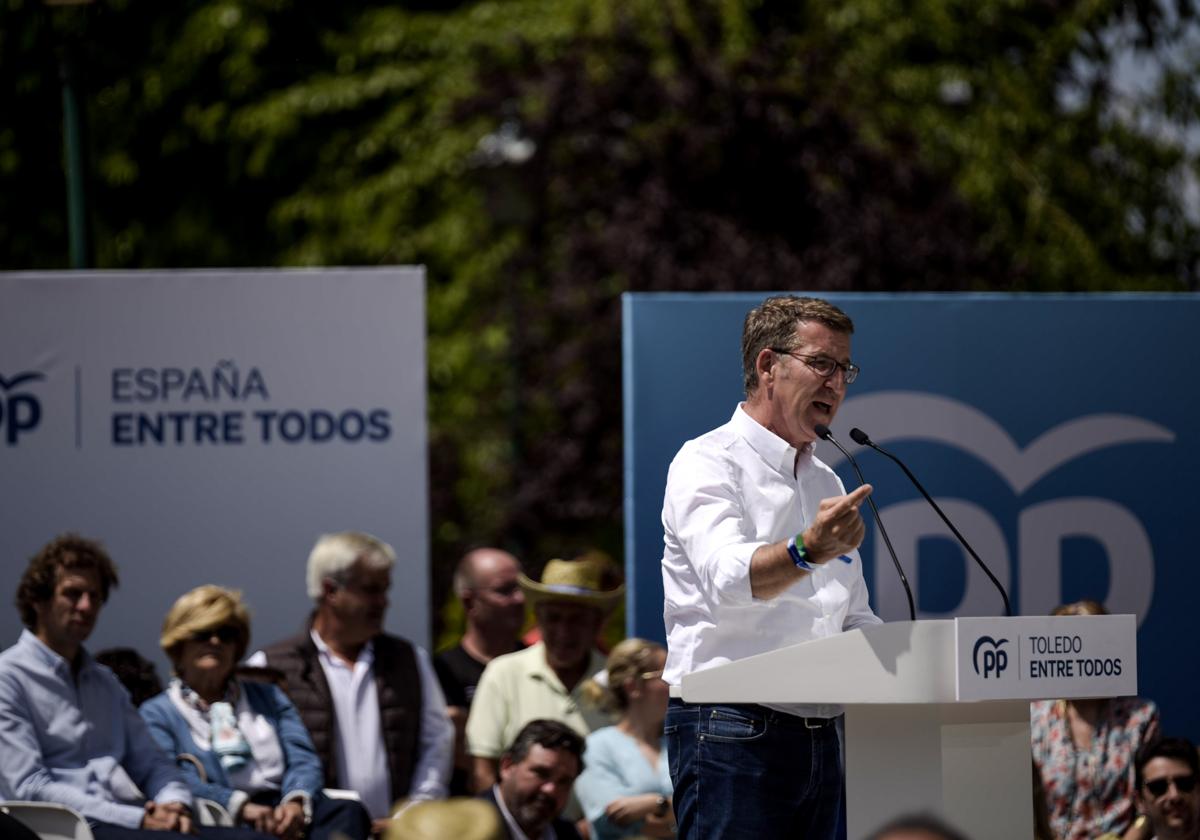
(1183, 784)
(224, 634)
(823, 365)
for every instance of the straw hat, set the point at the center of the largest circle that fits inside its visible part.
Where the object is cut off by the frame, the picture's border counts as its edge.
(461, 818)
(578, 581)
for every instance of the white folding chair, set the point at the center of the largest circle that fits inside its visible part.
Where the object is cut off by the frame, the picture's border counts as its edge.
(48, 820)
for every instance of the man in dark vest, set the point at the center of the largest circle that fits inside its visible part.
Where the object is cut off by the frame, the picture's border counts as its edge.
(370, 700)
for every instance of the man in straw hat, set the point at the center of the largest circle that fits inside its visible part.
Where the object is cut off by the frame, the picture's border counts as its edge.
(760, 552)
(544, 680)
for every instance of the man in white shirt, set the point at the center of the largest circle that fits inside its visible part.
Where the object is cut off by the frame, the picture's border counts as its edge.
(370, 700)
(761, 552)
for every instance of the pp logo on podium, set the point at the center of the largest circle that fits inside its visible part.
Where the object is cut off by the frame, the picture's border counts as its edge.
(994, 659)
(19, 412)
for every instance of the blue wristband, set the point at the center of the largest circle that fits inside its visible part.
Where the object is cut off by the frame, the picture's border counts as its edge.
(798, 553)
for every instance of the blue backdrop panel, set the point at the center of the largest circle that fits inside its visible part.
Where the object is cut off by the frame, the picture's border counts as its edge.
(1058, 432)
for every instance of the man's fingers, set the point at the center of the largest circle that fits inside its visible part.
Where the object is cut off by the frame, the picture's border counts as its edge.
(859, 496)
(835, 506)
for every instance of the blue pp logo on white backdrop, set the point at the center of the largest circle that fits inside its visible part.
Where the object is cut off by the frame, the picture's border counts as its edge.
(1041, 527)
(993, 659)
(20, 411)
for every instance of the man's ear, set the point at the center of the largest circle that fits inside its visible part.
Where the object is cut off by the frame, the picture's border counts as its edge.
(506, 765)
(328, 587)
(764, 365)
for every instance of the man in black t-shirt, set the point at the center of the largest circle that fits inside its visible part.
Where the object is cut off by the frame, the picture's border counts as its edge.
(486, 583)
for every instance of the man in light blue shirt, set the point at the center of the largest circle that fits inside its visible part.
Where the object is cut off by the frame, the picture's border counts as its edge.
(68, 733)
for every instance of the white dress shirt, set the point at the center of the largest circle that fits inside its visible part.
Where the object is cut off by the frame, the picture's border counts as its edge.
(728, 492)
(359, 753)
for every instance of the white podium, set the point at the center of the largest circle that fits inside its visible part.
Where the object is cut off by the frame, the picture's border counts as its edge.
(937, 712)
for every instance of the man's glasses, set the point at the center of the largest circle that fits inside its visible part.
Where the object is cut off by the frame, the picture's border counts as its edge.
(823, 366)
(224, 634)
(1183, 784)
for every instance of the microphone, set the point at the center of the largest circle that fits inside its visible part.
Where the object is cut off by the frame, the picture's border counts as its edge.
(862, 439)
(824, 434)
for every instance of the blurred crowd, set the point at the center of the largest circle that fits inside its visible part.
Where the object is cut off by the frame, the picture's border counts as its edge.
(346, 731)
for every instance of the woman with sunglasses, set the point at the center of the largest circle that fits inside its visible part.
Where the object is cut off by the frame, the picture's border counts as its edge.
(1084, 751)
(625, 789)
(239, 743)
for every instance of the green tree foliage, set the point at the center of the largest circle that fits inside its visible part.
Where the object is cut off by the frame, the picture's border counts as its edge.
(541, 158)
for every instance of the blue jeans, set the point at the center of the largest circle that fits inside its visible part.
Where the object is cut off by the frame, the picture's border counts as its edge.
(746, 771)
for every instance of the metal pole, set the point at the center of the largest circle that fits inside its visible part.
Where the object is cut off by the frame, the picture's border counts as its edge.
(73, 138)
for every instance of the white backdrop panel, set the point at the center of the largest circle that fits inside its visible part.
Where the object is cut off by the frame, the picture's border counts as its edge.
(207, 426)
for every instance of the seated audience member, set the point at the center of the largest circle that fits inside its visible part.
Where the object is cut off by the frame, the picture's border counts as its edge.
(370, 700)
(917, 827)
(494, 605)
(68, 733)
(536, 775)
(249, 751)
(134, 671)
(545, 680)
(1166, 789)
(612, 630)
(1084, 751)
(626, 789)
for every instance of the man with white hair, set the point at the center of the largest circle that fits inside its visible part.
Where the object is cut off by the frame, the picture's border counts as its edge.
(370, 700)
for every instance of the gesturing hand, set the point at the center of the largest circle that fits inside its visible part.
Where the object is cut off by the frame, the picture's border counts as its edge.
(838, 527)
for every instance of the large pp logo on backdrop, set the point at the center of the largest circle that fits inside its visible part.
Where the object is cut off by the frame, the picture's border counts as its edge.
(1041, 527)
(20, 409)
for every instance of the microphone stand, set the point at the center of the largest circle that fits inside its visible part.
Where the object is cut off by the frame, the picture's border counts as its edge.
(824, 434)
(862, 439)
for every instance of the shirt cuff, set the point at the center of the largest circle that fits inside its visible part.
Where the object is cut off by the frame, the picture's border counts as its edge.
(731, 575)
(175, 792)
(236, 800)
(128, 816)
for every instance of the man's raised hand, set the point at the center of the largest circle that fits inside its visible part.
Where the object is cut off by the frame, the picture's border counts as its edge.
(838, 526)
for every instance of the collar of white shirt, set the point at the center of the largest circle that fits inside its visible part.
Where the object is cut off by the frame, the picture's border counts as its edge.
(773, 449)
(514, 827)
(366, 656)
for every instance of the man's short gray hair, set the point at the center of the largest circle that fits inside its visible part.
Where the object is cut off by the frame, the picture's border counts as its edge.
(772, 325)
(334, 554)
